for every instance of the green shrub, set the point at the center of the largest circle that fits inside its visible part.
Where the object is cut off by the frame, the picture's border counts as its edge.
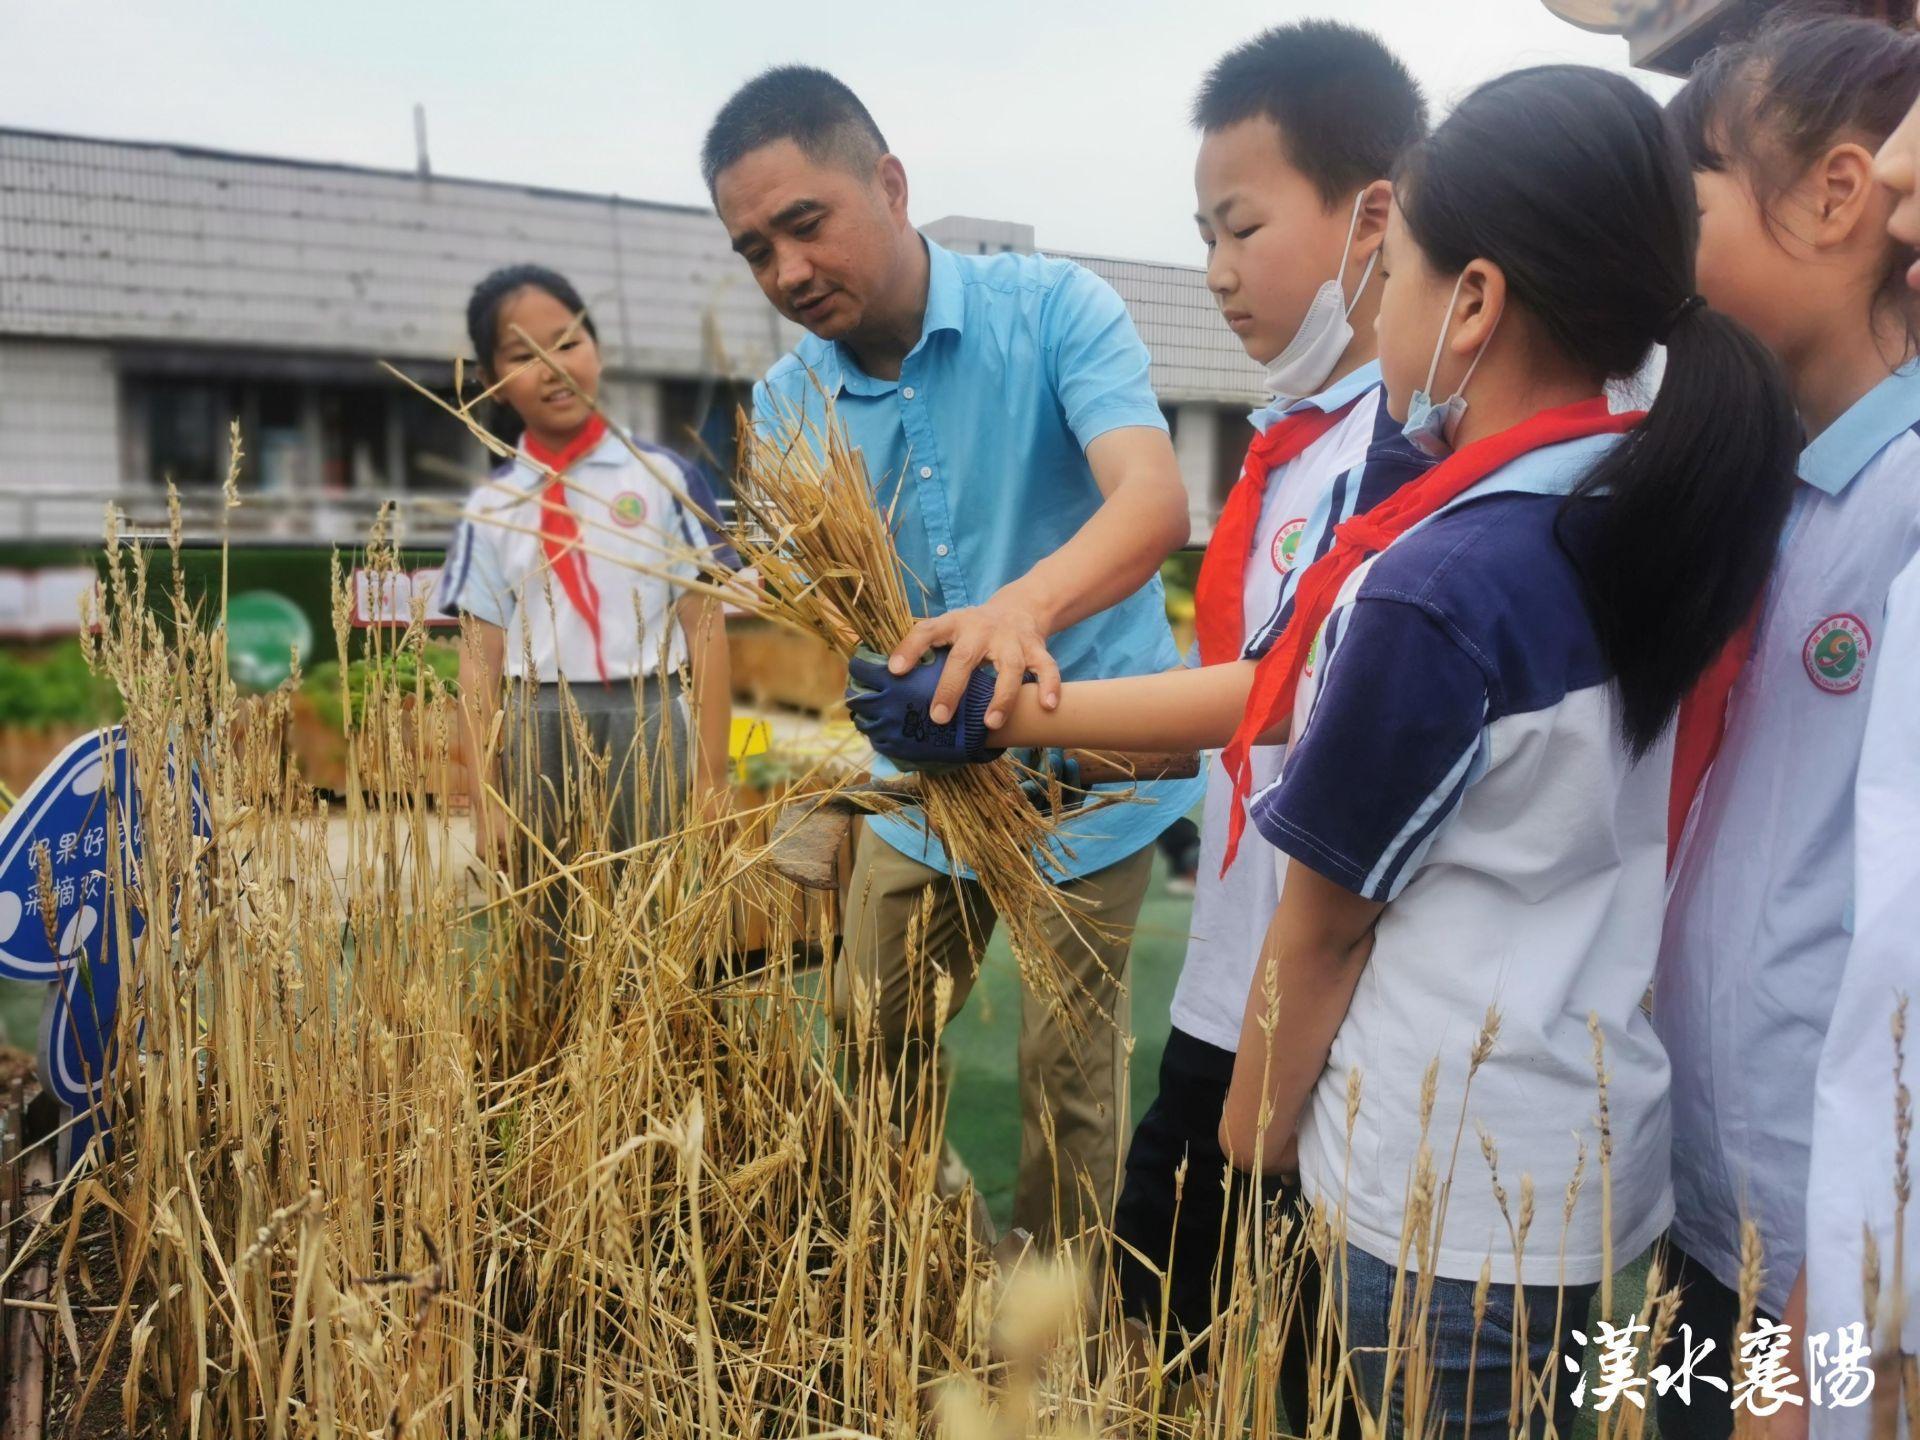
(52, 688)
(399, 670)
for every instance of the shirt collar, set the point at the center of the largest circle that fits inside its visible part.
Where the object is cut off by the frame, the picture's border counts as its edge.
(610, 451)
(946, 309)
(1342, 392)
(1844, 447)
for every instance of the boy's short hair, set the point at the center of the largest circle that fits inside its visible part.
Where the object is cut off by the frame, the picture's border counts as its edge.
(1346, 108)
(816, 111)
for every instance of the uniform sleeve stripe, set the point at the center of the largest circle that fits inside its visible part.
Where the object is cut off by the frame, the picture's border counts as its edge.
(1384, 882)
(455, 580)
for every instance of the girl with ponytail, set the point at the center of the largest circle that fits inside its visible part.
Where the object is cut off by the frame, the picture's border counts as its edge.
(1479, 676)
(1781, 133)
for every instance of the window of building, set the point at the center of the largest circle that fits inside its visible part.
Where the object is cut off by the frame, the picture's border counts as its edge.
(295, 435)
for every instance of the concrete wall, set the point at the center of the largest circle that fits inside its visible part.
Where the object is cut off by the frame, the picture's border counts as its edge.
(1196, 445)
(59, 416)
(634, 403)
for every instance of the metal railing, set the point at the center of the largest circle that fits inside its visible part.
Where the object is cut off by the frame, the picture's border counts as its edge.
(297, 519)
(280, 518)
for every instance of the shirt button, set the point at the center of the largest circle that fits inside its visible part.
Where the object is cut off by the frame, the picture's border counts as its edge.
(926, 472)
(939, 549)
(907, 394)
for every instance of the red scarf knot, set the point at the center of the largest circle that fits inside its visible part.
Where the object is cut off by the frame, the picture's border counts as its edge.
(560, 538)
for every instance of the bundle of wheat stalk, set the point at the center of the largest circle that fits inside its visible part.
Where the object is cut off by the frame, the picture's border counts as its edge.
(824, 551)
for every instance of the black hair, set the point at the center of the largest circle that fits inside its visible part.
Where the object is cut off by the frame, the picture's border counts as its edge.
(483, 325)
(1345, 106)
(793, 102)
(1773, 103)
(1569, 180)
(483, 306)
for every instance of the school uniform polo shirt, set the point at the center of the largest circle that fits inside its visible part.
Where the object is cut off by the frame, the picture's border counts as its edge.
(1231, 911)
(1851, 1185)
(1757, 924)
(978, 450)
(497, 569)
(1457, 755)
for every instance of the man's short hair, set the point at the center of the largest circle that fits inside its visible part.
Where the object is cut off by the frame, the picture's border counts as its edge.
(1346, 108)
(798, 103)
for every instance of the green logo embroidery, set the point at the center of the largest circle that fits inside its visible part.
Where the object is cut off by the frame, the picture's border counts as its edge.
(1286, 545)
(628, 508)
(1836, 653)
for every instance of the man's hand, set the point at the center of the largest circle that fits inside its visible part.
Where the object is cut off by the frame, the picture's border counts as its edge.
(1004, 633)
(894, 712)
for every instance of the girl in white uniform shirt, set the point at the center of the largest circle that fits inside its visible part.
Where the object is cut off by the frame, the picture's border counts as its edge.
(1478, 677)
(1854, 1159)
(1782, 132)
(536, 566)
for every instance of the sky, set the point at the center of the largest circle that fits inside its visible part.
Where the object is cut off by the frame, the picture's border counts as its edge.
(1064, 115)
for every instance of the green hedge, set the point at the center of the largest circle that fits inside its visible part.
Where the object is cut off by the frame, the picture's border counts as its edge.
(50, 686)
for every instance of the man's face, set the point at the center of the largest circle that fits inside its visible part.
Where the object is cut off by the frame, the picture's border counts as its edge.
(823, 242)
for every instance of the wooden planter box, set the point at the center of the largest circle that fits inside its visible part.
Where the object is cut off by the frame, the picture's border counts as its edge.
(25, 752)
(320, 753)
(774, 666)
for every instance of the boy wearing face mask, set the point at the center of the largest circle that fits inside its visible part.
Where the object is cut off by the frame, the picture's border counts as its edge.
(1300, 128)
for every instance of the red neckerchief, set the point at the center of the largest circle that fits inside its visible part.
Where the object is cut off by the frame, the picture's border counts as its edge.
(560, 531)
(1219, 596)
(1702, 726)
(1278, 676)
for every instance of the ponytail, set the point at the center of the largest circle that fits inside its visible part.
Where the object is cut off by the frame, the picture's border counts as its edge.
(1696, 496)
(1569, 179)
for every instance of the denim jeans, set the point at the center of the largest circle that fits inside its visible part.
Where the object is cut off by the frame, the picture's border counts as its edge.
(1552, 1312)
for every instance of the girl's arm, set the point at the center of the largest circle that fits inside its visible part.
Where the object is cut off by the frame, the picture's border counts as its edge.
(483, 651)
(706, 631)
(1316, 948)
(1196, 709)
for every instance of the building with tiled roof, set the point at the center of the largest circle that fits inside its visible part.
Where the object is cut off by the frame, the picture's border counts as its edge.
(150, 293)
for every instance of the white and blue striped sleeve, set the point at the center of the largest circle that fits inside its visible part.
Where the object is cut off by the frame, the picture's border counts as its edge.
(1386, 753)
(471, 582)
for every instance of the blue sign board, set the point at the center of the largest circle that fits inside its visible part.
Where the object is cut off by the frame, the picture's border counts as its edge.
(57, 847)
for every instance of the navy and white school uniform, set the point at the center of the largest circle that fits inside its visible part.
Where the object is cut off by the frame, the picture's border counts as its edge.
(1851, 1188)
(1180, 1224)
(1762, 903)
(1456, 753)
(608, 628)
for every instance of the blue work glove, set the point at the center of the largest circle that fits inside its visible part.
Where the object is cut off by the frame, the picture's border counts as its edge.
(891, 711)
(1044, 766)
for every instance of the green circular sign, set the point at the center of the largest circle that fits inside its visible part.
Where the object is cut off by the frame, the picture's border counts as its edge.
(265, 630)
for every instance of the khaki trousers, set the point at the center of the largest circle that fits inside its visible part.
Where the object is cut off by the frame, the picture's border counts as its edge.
(1078, 1083)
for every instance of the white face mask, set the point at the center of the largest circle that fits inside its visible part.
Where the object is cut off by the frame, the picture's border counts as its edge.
(1302, 368)
(1432, 427)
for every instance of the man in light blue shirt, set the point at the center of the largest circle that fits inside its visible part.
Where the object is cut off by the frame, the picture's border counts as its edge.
(1004, 413)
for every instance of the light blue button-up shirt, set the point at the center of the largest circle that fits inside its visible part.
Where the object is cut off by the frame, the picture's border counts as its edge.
(980, 448)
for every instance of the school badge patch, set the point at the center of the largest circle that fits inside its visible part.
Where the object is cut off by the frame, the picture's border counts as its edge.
(1286, 545)
(1836, 653)
(629, 508)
